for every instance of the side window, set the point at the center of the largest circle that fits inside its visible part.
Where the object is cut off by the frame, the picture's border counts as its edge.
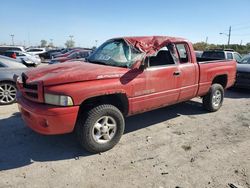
(161, 58)
(183, 53)
(15, 49)
(229, 55)
(237, 57)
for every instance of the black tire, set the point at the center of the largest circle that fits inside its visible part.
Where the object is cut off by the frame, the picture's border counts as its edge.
(7, 93)
(213, 100)
(85, 127)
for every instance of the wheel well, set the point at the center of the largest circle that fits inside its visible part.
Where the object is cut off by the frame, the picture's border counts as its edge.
(222, 80)
(7, 81)
(119, 100)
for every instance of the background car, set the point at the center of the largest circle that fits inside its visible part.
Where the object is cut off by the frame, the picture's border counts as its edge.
(243, 73)
(48, 54)
(5, 48)
(35, 51)
(75, 55)
(68, 53)
(27, 59)
(221, 54)
(63, 51)
(9, 67)
(198, 53)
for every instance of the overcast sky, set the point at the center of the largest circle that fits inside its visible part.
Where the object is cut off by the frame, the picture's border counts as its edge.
(89, 20)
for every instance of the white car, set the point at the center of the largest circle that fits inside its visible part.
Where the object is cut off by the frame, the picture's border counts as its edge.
(36, 51)
(26, 58)
(5, 48)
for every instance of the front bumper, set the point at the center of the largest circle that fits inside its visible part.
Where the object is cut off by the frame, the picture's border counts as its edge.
(47, 119)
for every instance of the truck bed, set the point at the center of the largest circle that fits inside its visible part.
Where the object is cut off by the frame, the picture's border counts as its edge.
(210, 69)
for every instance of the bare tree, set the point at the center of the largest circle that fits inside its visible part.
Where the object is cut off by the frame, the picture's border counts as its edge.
(70, 43)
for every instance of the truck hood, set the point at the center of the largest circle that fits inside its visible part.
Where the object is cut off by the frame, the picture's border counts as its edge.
(73, 72)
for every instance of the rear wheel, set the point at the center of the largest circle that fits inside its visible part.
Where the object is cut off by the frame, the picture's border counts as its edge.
(214, 98)
(100, 129)
(7, 93)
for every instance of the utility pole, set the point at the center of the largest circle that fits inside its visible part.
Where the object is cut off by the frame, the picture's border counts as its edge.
(206, 39)
(12, 38)
(229, 35)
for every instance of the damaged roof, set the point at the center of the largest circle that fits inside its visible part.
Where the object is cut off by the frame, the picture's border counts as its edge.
(151, 44)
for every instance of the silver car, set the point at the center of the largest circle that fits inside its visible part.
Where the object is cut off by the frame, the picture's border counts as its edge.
(9, 67)
(27, 59)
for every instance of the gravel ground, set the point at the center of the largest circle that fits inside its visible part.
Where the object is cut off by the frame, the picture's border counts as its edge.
(177, 146)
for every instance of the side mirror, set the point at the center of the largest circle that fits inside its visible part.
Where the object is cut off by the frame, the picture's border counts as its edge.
(136, 65)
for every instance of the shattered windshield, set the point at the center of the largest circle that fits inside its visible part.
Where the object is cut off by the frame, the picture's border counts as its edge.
(116, 53)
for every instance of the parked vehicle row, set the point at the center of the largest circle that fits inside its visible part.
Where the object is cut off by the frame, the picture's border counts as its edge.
(48, 54)
(34, 56)
(73, 54)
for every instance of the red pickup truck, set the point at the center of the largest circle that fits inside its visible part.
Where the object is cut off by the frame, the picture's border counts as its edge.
(123, 77)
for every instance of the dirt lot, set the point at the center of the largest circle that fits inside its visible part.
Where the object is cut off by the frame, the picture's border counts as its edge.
(177, 146)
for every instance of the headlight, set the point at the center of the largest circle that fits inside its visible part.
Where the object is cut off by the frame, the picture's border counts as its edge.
(59, 100)
(28, 61)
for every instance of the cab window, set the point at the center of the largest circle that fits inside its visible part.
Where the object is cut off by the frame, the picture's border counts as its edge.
(182, 50)
(161, 58)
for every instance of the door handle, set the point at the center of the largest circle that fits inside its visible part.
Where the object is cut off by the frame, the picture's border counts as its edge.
(177, 73)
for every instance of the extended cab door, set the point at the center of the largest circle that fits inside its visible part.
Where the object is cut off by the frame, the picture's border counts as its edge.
(162, 80)
(189, 72)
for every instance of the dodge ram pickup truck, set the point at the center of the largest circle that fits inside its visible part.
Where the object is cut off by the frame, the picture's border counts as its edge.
(123, 77)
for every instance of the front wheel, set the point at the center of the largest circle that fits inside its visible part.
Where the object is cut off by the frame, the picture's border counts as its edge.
(7, 93)
(213, 100)
(100, 129)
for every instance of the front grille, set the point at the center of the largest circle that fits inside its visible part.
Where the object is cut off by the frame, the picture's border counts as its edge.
(33, 95)
(30, 86)
(30, 91)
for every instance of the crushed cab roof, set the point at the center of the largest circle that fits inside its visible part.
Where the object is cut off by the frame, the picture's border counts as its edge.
(151, 44)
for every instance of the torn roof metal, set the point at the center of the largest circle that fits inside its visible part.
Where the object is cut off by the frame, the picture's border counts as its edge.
(151, 44)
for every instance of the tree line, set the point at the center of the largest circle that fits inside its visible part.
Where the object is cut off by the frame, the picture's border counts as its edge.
(68, 43)
(242, 49)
